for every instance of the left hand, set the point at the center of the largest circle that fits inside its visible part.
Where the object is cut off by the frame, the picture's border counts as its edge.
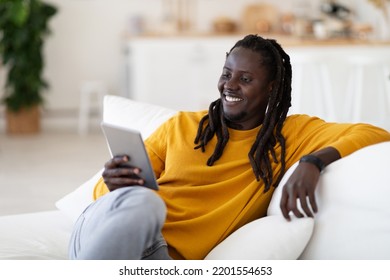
(300, 186)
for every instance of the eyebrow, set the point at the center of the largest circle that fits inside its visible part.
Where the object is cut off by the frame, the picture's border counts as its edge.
(241, 71)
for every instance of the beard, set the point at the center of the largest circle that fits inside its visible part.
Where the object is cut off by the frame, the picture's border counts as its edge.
(232, 118)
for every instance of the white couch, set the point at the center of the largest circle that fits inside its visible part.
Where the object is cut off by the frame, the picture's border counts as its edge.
(353, 221)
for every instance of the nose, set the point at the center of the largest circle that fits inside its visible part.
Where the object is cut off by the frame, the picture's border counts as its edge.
(231, 84)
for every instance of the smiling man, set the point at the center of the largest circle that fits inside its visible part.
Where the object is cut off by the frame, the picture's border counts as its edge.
(245, 89)
(217, 169)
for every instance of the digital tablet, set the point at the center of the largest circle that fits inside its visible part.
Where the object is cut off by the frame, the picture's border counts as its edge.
(125, 141)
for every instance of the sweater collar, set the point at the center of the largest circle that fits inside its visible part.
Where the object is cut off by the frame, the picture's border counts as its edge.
(235, 134)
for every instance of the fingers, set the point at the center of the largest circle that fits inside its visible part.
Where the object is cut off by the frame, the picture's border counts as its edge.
(289, 204)
(305, 206)
(298, 194)
(295, 209)
(117, 161)
(313, 202)
(300, 204)
(118, 173)
(117, 183)
(121, 171)
(283, 206)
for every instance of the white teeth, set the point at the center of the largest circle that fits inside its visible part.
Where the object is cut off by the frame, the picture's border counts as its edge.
(232, 99)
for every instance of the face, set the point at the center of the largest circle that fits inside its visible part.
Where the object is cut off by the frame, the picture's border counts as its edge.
(244, 89)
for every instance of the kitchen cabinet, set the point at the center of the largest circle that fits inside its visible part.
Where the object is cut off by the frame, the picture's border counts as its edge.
(345, 83)
(178, 73)
(182, 73)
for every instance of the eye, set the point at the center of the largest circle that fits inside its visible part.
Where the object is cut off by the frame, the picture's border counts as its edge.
(226, 75)
(246, 79)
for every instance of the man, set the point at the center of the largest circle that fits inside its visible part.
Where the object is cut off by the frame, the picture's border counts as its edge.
(217, 170)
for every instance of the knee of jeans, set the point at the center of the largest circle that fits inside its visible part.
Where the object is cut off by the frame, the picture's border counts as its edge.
(146, 201)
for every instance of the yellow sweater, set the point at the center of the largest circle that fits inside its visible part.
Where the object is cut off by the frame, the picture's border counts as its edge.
(207, 203)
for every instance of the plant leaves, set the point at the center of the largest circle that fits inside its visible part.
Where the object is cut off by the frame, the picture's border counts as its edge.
(23, 27)
(19, 11)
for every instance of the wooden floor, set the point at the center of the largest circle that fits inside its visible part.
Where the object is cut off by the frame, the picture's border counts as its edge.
(36, 171)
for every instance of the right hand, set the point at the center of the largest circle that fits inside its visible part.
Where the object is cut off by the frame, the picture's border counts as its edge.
(118, 173)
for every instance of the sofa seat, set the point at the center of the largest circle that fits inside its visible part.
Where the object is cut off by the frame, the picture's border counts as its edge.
(35, 236)
(353, 196)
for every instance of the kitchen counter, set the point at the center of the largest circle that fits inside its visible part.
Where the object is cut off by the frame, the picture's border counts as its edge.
(285, 40)
(181, 72)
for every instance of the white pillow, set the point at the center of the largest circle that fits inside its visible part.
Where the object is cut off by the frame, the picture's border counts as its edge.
(353, 197)
(268, 238)
(74, 203)
(140, 116)
(122, 112)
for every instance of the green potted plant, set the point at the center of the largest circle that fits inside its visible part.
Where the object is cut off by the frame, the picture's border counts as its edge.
(23, 27)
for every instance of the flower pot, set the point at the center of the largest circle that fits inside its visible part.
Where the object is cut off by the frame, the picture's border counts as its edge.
(24, 121)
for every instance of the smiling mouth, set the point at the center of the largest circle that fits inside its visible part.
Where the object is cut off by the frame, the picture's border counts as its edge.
(232, 98)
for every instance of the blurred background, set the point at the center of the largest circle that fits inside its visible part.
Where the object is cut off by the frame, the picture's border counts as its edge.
(171, 52)
(92, 39)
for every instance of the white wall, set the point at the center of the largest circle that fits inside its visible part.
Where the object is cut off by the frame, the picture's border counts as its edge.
(87, 39)
(87, 44)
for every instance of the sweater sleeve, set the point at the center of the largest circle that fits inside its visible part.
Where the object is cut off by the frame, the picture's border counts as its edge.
(156, 146)
(311, 134)
(358, 136)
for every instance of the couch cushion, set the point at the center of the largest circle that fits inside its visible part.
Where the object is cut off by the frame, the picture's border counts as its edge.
(353, 197)
(140, 116)
(268, 238)
(35, 236)
(74, 203)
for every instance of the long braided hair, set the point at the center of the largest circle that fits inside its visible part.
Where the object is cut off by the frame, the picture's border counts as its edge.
(263, 149)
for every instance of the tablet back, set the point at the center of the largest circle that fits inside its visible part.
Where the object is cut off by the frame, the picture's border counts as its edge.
(125, 141)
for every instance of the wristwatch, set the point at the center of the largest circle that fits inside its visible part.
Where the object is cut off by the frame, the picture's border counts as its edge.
(313, 160)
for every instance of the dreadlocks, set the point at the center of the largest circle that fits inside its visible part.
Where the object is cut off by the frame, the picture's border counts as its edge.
(263, 149)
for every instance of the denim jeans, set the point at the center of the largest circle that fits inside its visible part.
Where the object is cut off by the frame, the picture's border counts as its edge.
(124, 224)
